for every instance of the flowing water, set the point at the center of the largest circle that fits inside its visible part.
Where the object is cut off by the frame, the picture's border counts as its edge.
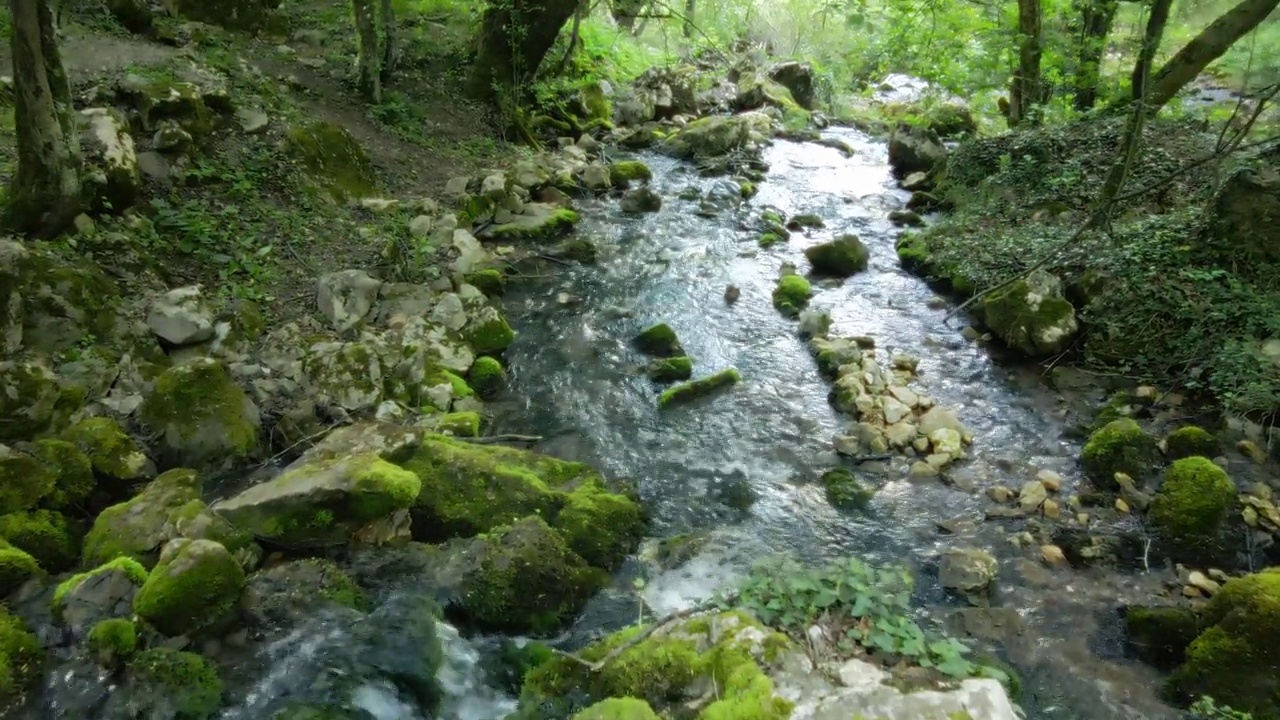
(742, 465)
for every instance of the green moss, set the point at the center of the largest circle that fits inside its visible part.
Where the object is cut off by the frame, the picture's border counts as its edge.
(772, 217)
(135, 528)
(671, 369)
(694, 389)
(130, 567)
(487, 377)
(559, 222)
(21, 658)
(528, 580)
(113, 641)
(186, 680)
(72, 471)
(1034, 328)
(595, 102)
(382, 488)
(196, 586)
(1237, 657)
(625, 171)
(490, 282)
(601, 526)
(660, 341)
(490, 336)
(792, 294)
(334, 158)
(578, 249)
(27, 403)
(201, 410)
(45, 535)
(23, 482)
(16, 567)
(748, 189)
(309, 711)
(459, 388)
(805, 220)
(1190, 509)
(844, 491)
(1120, 446)
(841, 257)
(1191, 440)
(1160, 635)
(618, 709)
(460, 424)
(111, 451)
(770, 239)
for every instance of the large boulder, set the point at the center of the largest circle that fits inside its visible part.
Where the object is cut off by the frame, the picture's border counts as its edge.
(287, 594)
(322, 501)
(24, 480)
(115, 457)
(796, 77)
(1120, 446)
(915, 149)
(196, 586)
(716, 136)
(346, 297)
(202, 415)
(29, 394)
(1190, 511)
(329, 153)
(103, 593)
(1246, 212)
(840, 257)
(1032, 315)
(111, 163)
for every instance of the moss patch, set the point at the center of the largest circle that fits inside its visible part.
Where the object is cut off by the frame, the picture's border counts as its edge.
(1191, 508)
(112, 642)
(334, 159)
(844, 491)
(16, 567)
(187, 681)
(1120, 446)
(24, 480)
(660, 341)
(487, 377)
(130, 567)
(21, 658)
(688, 391)
(204, 415)
(196, 586)
(841, 257)
(792, 294)
(1191, 440)
(45, 535)
(72, 471)
(671, 369)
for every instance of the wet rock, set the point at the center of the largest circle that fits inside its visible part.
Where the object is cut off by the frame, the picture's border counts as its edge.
(595, 177)
(970, 572)
(1160, 635)
(346, 297)
(640, 200)
(182, 316)
(1032, 315)
(841, 257)
(669, 370)
(1053, 556)
(108, 591)
(203, 416)
(1032, 495)
(731, 294)
(288, 593)
(815, 323)
(702, 387)
(792, 294)
(916, 181)
(843, 491)
(905, 218)
(659, 341)
(914, 149)
(535, 223)
(166, 684)
(1051, 480)
(712, 137)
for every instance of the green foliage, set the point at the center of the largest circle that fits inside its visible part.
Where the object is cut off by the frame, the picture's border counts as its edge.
(870, 607)
(1206, 708)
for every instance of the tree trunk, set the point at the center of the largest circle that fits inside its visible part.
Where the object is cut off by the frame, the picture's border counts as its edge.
(1027, 90)
(1098, 15)
(689, 7)
(1141, 79)
(46, 192)
(1206, 47)
(390, 46)
(367, 50)
(515, 36)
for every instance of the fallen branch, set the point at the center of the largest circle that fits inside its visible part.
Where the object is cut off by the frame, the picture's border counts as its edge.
(640, 637)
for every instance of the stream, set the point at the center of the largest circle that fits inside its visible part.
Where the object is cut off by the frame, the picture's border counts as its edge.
(743, 464)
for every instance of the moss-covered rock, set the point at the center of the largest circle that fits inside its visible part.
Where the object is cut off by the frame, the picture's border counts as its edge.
(490, 334)
(321, 501)
(618, 709)
(694, 389)
(624, 171)
(334, 159)
(730, 649)
(841, 257)
(24, 480)
(112, 642)
(21, 659)
(113, 454)
(792, 294)
(913, 253)
(769, 239)
(719, 135)
(1032, 315)
(671, 369)
(487, 377)
(1160, 635)
(659, 341)
(29, 394)
(196, 586)
(72, 471)
(1120, 446)
(1189, 441)
(1190, 511)
(202, 413)
(126, 567)
(1237, 656)
(16, 568)
(526, 579)
(601, 526)
(295, 590)
(169, 507)
(43, 534)
(844, 491)
(489, 281)
(174, 684)
(538, 223)
(460, 424)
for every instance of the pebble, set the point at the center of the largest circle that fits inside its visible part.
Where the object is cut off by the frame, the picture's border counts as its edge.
(1251, 450)
(1032, 495)
(1202, 582)
(1051, 480)
(1122, 507)
(1000, 494)
(937, 303)
(1051, 509)
(921, 470)
(1219, 575)
(970, 333)
(1082, 518)
(1053, 556)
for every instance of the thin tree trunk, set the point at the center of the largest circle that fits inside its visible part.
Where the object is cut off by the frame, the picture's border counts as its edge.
(689, 8)
(46, 192)
(1027, 90)
(515, 36)
(367, 55)
(1206, 47)
(583, 7)
(390, 44)
(1098, 16)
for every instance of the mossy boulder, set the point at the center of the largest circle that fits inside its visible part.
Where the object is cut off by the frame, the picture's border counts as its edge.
(333, 157)
(72, 471)
(24, 480)
(730, 650)
(45, 535)
(173, 684)
(841, 257)
(29, 394)
(16, 568)
(196, 586)
(107, 591)
(1237, 656)
(538, 223)
(21, 659)
(113, 454)
(671, 369)
(719, 135)
(526, 579)
(844, 491)
(202, 414)
(488, 332)
(694, 389)
(460, 424)
(168, 508)
(1032, 315)
(489, 281)
(1189, 441)
(487, 377)
(250, 15)
(112, 179)
(659, 341)
(913, 253)
(323, 500)
(1190, 511)
(1159, 636)
(469, 489)
(792, 294)
(618, 709)
(292, 591)
(1120, 446)
(625, 171)
(112, 642)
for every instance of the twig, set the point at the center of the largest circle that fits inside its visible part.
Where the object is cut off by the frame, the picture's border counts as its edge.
(640, 637)
(492, 439)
